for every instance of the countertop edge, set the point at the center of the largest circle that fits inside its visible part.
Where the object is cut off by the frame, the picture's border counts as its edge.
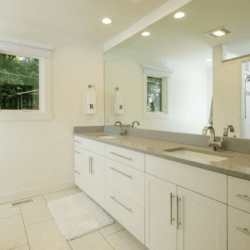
(175, 159)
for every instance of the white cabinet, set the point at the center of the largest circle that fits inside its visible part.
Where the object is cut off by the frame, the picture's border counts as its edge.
(198, 222)
(78, 177)
(94, 176)
(159, 209)
(238, 229)
(203, 222)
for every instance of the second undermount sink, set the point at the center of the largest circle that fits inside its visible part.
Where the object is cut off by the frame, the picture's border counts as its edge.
(107, 137)
(194, 154)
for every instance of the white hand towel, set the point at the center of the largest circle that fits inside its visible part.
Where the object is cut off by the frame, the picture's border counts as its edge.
(91, 102)
(118, 104)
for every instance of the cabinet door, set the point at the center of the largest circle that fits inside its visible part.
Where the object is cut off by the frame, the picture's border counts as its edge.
(88, 177)
(98, 170)
(238, 229)
(203, 222)
(78, 177)
(160, 208)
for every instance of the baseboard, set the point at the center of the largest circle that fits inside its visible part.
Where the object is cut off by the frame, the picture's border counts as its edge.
(5, 198)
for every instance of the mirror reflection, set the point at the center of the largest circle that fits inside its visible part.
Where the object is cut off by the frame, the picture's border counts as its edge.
(189, 70)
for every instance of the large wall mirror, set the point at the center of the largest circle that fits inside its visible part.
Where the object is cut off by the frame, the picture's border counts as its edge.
(188, 73)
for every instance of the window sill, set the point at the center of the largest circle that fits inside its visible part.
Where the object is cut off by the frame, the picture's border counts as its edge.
(19, 115)
(155, 115)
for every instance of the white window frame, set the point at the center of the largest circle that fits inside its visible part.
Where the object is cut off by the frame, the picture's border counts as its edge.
(39, 51)
(164, 74)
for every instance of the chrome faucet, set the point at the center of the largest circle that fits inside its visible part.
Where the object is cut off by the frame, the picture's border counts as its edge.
(212, 142)
(226, 128)
(118, 123)
(133, 124)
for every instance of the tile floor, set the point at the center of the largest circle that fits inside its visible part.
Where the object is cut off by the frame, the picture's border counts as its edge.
(32, 227)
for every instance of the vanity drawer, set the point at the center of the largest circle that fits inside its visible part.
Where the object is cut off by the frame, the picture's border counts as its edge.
(125, 156)
(208, 183)
(239, 193)
(238, 221)
(125, 211)
(78, 177)
(93, 146)
(77, 141)
(78, 156)
(126, 180)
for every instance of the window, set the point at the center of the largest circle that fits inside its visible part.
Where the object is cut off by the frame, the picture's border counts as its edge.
(154, 94)
(25, 80)
(19, 82)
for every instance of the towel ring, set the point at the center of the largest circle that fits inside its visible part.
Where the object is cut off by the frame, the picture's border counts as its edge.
(116, 89)
(92, 86)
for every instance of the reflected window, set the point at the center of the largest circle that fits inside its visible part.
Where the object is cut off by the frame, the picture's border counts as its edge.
(19, 82)
(154, 94)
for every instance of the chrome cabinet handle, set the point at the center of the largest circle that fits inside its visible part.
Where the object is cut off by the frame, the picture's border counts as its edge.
(243, 230)
(171, 209)
(77, 141)
(129, 176)
(178, 223)
(77, 172)
(89, 164)
(243, 197)
(129, 209)
(77, 152)
(113, 153)
(91, 169)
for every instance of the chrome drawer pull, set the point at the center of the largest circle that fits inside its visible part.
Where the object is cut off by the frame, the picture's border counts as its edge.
(113, 153)
(178, 223)
(77, 152)
(77, 141)
(129, 209)
(129, 176)
(77, 172)
(243, 197)
(171, 209)
(243, 230)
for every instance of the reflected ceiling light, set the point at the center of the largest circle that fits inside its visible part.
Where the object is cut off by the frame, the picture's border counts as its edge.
(145, 33)
(179, 15)
(106, 20)
(219, 33)
(208, 60)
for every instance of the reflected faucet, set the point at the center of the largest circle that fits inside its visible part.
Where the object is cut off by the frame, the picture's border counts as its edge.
(133, 124)
(212, 142)
(118, 123)
(226, 128)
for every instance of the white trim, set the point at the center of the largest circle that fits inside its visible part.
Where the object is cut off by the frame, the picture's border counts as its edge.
(28, 193)
(27, 47)
(157, 71)
(153, 17)
(44, 112)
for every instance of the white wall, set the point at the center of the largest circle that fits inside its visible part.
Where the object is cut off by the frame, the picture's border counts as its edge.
(37, 157)
(187, 91)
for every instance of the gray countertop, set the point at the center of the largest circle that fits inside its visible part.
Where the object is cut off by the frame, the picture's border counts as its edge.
(237, 164)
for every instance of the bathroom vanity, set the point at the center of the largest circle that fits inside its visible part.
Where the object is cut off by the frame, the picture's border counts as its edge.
(168, 199)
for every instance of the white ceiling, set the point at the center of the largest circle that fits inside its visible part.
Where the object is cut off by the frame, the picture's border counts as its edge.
(80, 18)
(185, 39)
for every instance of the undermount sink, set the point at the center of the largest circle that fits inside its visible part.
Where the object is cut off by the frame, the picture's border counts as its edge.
(190, 153)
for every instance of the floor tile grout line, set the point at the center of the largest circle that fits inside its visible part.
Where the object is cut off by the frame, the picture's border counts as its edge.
(9, 216)
(105, 239)
(114, 233)
(19, 246)
(25, 230)
(69, 245)
(38, 222)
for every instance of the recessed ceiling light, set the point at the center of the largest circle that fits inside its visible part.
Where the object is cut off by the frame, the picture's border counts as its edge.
(219, 33)
(106, 20)
(145, 33)
(179, 15)
(208, 60)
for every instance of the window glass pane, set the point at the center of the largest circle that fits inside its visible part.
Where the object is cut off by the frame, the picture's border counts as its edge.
(154, 94)
(19, 82)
